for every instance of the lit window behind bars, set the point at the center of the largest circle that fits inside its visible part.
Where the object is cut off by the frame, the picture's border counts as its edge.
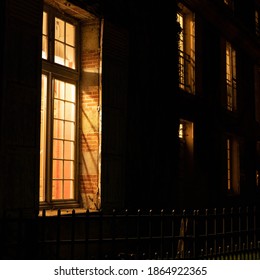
(231, 81)
(186, 47)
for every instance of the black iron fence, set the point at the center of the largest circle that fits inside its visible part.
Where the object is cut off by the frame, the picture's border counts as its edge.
(189, 234)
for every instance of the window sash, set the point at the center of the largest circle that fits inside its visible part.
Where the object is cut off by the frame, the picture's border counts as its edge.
(58, 140)
(231, 80)
(186, 47)
(58, 145)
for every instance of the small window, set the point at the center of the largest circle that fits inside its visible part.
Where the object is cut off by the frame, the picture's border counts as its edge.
(231, 79)
(186, 151)
(64, 43)
(186, 46)
(185, 129)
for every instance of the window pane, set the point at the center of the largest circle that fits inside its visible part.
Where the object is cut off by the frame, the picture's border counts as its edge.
(58, 109)
(44, 47)
(57, 169)
(69, 131)
(44, 23)
(58, 129)
(68, 150)
(69, 111)
(57, 149)
(43, 137)
(44, 36)
(70, 34)
(68, 189)
(68, 170)
(57, 189)
(59, 88)
(59, 53)
(59, 30)
(70, 92)
(64, 43)
(70, 57)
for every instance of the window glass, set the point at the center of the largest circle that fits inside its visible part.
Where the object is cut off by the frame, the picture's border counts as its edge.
(44, 36)
(43, 137)
(64, 43)
(186, 47)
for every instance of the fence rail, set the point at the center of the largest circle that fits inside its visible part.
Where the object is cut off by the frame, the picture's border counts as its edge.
(189, 234)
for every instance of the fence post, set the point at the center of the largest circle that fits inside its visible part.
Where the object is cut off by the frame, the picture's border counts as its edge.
(239, 229)
(182, 236)
(223, 230)
(173, 234)
(150, 233)
(247, 228)
(195, 234)
(162, 234)
(232, 230)
(215, 230)
(206, 232)
(126, 233)
(138, 232)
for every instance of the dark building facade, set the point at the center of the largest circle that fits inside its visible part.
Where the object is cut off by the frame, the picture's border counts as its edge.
(122, 104)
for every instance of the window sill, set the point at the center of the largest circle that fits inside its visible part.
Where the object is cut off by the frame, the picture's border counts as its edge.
(63, 212)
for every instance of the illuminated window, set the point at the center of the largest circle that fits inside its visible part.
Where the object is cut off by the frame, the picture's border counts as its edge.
(64, 43)
(70, 152)
(186, 46)
(231, 80)
(58, 111)
(58, 139)
(45, 36)
(181, 128)
(185, 129)
(186, 146)
(233, 165)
